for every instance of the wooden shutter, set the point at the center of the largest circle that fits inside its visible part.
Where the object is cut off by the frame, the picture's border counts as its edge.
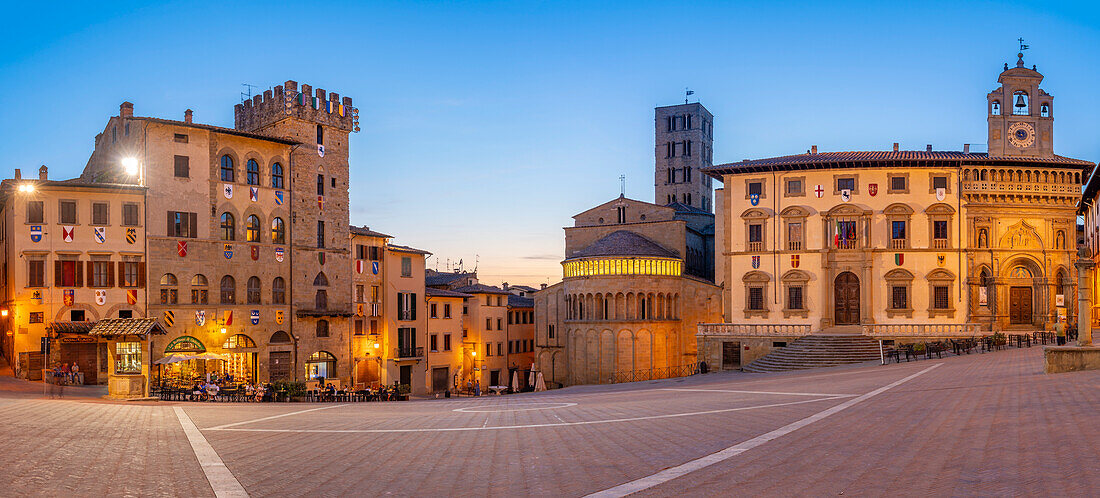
(193, 224)
(91, 273)
(110, 274)
(122, 274)
(413, 306)
(79, 273)
(170, 223)
(141, 274)
(57, 282)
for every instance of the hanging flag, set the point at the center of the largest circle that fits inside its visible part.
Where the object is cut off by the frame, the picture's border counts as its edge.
(253, 194)
(359, 266)
(227, 250)
(872, 188)
(200, 317)
(941, 193)
(819, 191)
(227, 318)
(341, 110)
(321, 202)
(278, 197)
(279, 317)
(279, 254)
(255, 252)
(181, 248)
(374, 267)
(101, 296)
(67, 233)
(330, 106)
(754, 199)
(131, 296)
(756, 261)
(255, 317)
(100, 234)
(131, 235)
(836, 234)
(170, 318)
(227, 190)
(301, 98)
(68, 296)
(316, 103)
(899, 259)
(36, 233)
(794, 261)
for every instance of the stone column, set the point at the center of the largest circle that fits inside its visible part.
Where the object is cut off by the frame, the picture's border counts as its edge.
(1084, 300)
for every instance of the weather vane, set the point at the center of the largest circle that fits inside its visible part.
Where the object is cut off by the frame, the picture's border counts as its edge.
(687, 93)
(1022, 46)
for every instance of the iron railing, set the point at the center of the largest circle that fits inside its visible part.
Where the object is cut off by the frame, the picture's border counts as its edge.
(653, 373)
(408, 352)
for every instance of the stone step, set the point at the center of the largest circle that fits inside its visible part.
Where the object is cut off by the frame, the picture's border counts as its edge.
(817, 351)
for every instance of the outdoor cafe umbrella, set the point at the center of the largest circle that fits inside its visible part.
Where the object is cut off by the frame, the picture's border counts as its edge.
(515, 381)
(540, 384)
(531, 378)
(171, 359)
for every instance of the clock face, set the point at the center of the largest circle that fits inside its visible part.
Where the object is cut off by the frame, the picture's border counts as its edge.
(1021, 135)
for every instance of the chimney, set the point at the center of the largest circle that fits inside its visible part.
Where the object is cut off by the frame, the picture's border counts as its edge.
(187, 116)
(18, 174)
(895, 146)
(966, 148)
(542, 286)
(126, 110)
(929, 149)
(813, 149)
(42, 172)
(504, 285)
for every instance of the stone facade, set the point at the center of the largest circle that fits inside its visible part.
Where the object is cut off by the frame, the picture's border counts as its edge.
(683, 146)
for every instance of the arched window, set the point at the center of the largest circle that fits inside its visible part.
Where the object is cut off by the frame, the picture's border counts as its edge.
(252, 172)
(168, 291)
(320, 135)
(238, 341)
(995, 108)
(278, 231)
(320, 280)
(229, 227)
(252, 228)
(279, 337)
(322, 364)
(322, 328)
(278, 291)
(1020, 105)
(253, 290)
(320, 300)
(276, 175)
(229, 290)
(227, 169)
(198, 289)
(1044, 110)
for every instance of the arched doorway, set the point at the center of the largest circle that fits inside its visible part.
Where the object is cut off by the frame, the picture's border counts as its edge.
(846, 299)
(241, 364)
(1020, 296)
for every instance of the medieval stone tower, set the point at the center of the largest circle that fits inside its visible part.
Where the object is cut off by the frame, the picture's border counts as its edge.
(317, 190)
(684, 138)
(1021, 115)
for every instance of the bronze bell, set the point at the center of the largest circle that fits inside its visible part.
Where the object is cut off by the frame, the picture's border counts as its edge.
(1020, 101)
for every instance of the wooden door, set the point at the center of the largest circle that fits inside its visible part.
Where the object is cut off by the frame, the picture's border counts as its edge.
(731, 355)
(439, 379)
(84, 354)
(1019, 305)
(278, 365)
(846, 299)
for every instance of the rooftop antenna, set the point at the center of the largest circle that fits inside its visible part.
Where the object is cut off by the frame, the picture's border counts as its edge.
(687, 93)
(247, 94)
(622, 185)
(476, 260)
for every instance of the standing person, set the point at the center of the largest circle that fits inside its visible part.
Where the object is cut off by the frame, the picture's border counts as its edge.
(477, 387)
(1060, 331)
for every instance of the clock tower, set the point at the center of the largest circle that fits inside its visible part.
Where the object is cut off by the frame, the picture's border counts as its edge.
(1021, 115)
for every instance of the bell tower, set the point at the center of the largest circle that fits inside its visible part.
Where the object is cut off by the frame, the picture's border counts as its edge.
(1020, 114)
(684, 143)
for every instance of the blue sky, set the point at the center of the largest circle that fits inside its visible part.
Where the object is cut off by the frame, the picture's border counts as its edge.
(487, 125)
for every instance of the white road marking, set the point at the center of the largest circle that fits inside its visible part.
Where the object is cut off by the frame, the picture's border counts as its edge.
(737, 449)
(505, 408)
(529, 426)
(271, 417)
(757, 392)
(221, 479)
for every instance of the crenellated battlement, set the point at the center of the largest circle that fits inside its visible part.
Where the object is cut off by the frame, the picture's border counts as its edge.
(306, 103)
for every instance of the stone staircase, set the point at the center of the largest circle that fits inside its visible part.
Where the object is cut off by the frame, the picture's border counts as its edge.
(816, 351)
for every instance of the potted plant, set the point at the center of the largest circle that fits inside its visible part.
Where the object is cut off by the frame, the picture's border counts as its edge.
(403, 391)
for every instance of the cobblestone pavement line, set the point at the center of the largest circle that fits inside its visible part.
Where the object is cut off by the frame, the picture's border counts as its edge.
(525, 426)
(666, 475)
(755, 392)
(222, 481)
(272, 417)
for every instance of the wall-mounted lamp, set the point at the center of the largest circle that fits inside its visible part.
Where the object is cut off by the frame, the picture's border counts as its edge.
(223, 330)
(4, 312)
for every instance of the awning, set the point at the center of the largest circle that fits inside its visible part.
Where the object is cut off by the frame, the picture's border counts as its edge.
(176, 358)
(110, 327)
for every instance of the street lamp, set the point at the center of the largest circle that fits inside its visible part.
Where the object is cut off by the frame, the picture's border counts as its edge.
(26, 188)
